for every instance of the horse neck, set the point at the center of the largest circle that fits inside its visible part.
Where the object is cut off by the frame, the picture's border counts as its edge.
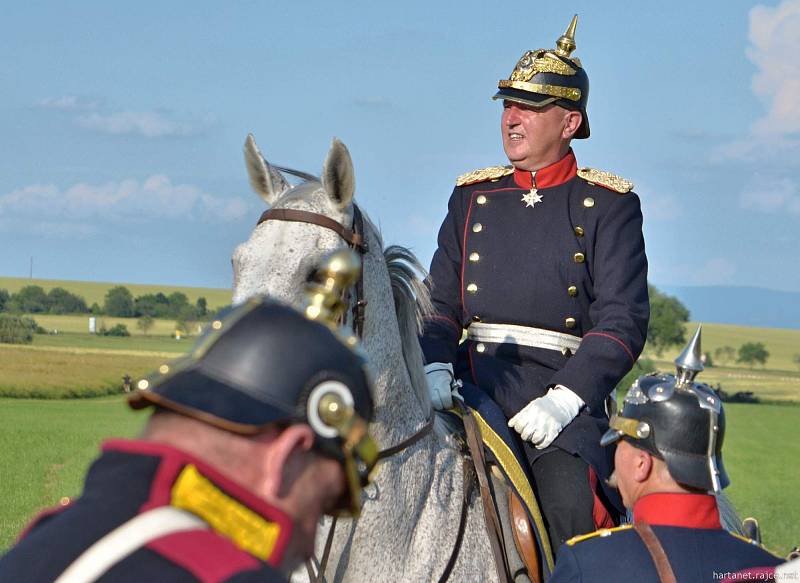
(399, 410)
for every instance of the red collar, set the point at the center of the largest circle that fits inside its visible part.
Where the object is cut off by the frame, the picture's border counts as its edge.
(549, 176)
(173, 463)
(673, 509)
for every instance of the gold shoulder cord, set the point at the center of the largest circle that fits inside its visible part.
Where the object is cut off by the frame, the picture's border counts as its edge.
(607, 179)
(484, 174)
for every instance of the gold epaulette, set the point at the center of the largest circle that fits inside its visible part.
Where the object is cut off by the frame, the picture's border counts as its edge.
(603, 178)
(602, 532)
(755, 543)
(484, 174)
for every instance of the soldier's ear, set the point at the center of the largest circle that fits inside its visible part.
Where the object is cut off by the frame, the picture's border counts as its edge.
(572, 121)
(285, 458)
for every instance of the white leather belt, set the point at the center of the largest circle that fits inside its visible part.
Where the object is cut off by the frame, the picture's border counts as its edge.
(523, 336)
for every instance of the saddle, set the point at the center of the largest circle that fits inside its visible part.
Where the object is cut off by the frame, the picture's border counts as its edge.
(517, 534)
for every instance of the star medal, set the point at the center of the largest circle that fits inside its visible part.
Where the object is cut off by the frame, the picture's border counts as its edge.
(531, 198)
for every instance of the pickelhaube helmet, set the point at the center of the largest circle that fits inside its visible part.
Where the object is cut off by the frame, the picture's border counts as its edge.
(265, 363)
(678, 420)
(546, 76)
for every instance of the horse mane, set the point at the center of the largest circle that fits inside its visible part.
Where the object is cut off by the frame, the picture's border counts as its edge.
(412, 304)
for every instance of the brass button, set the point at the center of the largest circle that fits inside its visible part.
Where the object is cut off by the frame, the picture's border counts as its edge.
(572, 291)
(569, 322)
(480, 347)
(588, 202)
(472, 288)
(474, 257)
(476, 318)
(481, 199)
(477, 228)
(579, 257)
(579, 231)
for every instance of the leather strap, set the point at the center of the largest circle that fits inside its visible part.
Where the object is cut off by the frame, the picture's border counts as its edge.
(293, 215)
(650, 540)
(424, 430)
(493, 526)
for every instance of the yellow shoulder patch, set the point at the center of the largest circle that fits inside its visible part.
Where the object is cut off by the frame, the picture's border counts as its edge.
(754, 543)
(607, 179)
(602, 532)
(484, 174)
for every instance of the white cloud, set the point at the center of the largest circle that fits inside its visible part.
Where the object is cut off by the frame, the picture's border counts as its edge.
(150, 124)
(68, 103)
(660, 207)
(155, 198)
(775, 44)
(777, 196)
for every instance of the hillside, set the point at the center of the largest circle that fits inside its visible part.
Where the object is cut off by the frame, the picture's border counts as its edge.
(95, 291)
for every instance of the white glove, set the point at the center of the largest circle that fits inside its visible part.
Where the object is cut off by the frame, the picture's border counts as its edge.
(541, 420)
(441, 384)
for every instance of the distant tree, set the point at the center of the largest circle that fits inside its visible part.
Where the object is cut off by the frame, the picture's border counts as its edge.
(31, 299)
(95, 309)
(186, 320)
(725, 354)
(796, 359)
(115, 330)
(202, 307)
(667, 318)
(155, 305)
(751, 353)
(118, 302)
(178, 302)
(16, 329)
(60, 301)
(4, 297)
(145, 323)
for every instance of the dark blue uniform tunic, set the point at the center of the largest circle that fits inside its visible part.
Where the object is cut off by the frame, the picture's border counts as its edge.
(573, 263)
(688, 528)
(131, 477)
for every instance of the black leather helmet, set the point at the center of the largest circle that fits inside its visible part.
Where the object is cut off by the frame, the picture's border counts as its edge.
(265, 363)
(677, 420)
(543, 76)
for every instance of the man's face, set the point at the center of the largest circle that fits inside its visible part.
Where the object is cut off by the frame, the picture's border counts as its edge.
(532, 138)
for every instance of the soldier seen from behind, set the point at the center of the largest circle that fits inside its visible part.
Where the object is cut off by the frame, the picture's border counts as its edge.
(668, 466)
(255, 434)
(544, 265)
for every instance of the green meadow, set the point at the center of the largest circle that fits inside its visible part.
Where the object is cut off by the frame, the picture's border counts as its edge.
(48, 445)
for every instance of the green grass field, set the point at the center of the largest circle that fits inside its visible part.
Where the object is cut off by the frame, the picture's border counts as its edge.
(59, 373)
(79, 324)
(48, 446)
(95, 291)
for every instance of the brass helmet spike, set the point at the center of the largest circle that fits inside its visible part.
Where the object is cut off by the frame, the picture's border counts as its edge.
(324, 302)
(566, 43)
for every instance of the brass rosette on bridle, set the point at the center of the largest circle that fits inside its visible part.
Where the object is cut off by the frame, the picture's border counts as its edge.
(545, 76)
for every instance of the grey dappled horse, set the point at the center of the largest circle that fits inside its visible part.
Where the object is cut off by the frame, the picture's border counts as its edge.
(409, 523)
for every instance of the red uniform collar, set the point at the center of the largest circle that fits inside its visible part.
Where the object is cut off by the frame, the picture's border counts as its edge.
(548, 176)
(225, 500)
(674, 509)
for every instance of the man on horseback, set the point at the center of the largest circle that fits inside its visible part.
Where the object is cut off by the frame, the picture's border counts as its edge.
(668, 465)
(250, 443)
(544, 265)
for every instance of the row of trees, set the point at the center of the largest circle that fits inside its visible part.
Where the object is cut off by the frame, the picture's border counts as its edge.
(32, 299)
(749, 353)
(118, 301)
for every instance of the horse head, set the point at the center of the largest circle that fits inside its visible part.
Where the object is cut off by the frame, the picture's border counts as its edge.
(279, 256)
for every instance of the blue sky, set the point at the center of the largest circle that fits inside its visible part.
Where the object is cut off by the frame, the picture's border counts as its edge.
(123, 124)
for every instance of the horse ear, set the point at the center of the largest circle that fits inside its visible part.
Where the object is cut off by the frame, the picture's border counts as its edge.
(268, 183)
(338, 175)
